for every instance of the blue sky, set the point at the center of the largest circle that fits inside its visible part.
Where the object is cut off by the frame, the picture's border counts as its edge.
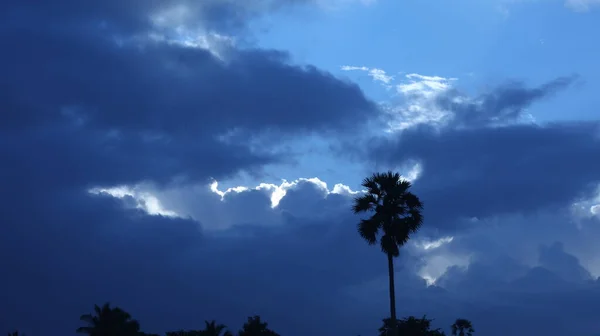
(197, 160)
(477, 41)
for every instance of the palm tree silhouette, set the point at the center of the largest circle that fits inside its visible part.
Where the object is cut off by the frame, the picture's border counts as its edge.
(109, 321)
(214, 329)
(255, 327)
(396, 213)
(462, 327)
(15, 333)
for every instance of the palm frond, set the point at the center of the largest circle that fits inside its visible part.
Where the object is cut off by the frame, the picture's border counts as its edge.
(414, 221)
(368, 228)
(412, 201)
(371, 184)
(403, 185)
(89, 318)
(387, 181)
(98, 310)
(400, 233)
(364, 203)
(389, 246)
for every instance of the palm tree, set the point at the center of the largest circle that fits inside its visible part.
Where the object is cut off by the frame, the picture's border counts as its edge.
(396, 213)
(255, 327)
(214, 329)
(109, 321)
(15, 333)
(462, 327)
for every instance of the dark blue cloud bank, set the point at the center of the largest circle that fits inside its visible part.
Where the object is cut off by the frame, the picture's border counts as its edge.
(100, 95)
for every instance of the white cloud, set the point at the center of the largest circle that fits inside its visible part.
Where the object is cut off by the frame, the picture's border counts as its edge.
(418, 93)
(586, 208)
(278, 192)
(342, 189)
(437, 265)
(173, 25)
(411, 171)
(419, 106)
(221, 209)
(143, 200)
(428, 245)
(424, 86)
(378, 75)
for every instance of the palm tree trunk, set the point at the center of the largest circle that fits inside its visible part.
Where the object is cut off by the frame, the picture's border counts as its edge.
(393, 329)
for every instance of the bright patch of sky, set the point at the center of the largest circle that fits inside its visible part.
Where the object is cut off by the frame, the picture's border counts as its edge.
(141, 199)
(475, 41)
(404, 53)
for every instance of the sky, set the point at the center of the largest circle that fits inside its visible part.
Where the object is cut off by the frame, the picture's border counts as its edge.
(197, 160)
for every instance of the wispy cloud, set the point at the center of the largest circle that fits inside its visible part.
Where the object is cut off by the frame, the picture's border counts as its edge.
(378, 75)
(419, 104)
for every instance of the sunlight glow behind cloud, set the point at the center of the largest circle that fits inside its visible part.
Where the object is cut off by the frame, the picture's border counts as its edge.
(428, 245)
(278, 192)
(144, 200)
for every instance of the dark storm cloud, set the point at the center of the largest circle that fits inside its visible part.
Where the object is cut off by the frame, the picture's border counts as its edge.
(73, 96)
(135, 15)
(478, 170)
(504, 288)
(86, 100)
(50, 77)
(78, 110)
(74, 250)
(171, 275)
(507, 102)
(66, 156)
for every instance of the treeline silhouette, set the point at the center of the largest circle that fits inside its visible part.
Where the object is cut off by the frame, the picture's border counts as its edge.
(114, 321)
(395, 213)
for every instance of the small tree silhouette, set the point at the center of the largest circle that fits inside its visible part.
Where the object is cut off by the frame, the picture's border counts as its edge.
(109, 321)
(214, 329)
(255, 327)
(462, 327)
(411, 326)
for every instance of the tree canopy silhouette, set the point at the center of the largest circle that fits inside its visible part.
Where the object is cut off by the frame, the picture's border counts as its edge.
(395, 215)
(211, 328)
(462, 327)
(214, 329)
(256, 327)
(109, 321)
(410, 326)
